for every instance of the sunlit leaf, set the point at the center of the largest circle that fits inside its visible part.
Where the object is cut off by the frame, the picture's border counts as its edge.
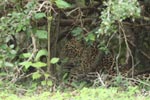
(46, 75)
(65, 76)
(39, 15)
(49, 83)
(36, 75)
(41, 34)
(19, 28)
(62, 4)
(13, 52)
(8, 64)
(43, 82)
(26, 64)
(1, 27)
(1, 63)
(40, 53)
(39, 64)
(91, 37)
(54, 60)
(12, 46)
(25, 55)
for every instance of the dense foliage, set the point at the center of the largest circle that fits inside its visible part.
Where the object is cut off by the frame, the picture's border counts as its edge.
(32, 35)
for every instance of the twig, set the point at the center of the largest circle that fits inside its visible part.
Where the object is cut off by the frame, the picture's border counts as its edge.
(113, 55)
(128, 49)
(100, 79)
(110, 39)
(49, 45)
(69, 13)
(118, 55)
(48, 7)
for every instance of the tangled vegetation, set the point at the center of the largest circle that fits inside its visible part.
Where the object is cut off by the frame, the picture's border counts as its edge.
(36, 47)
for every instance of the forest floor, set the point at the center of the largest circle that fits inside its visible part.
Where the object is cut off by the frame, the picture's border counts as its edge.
(99, 93)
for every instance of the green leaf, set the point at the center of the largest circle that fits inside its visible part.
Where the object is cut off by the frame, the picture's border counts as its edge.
(12, 46)
(62, 4)
(3, 46)
(54, 60)
(1, 63)
(41, 34)
(1, 27)
(40, 53)
(39, 64)
(77, 31)
(39, 15)
(46, 75)
(65, 76)
(8, 64)
(43, 83)
(91, 37)
(19, 28)
(25, 55)
(49, 83)
(26, 64)
(36, 75)
(14, 52)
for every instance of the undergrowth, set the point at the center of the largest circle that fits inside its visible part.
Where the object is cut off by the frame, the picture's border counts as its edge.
(131, 93)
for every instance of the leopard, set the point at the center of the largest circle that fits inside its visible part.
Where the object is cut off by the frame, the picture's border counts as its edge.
(142, 74)
(80, 59)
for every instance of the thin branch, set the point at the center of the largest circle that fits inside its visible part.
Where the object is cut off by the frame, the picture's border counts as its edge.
(49, 39)
(110, 39)
(127, 45)
(100, 79)
(118, 55)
